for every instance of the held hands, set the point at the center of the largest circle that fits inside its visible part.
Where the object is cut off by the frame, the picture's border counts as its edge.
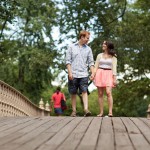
(92, 76)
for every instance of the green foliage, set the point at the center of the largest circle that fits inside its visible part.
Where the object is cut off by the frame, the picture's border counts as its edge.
(92, 15)
(30, 59)
(27, 59)
(93, 104)
(131, 99)
(127, 25)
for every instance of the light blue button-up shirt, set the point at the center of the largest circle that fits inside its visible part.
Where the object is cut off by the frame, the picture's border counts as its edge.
(80, 58)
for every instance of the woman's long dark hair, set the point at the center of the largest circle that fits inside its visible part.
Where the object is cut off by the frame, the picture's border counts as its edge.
(110, 47)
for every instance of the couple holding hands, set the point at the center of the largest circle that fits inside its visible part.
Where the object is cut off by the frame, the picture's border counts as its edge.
(79, 58)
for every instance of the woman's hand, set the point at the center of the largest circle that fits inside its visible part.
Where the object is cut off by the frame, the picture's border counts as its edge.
(114, 81)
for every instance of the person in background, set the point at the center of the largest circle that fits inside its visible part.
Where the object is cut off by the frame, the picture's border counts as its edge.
(78, 58)
(105, 75)
(56, 101)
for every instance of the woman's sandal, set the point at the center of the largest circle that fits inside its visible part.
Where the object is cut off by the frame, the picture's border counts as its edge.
(100, 115)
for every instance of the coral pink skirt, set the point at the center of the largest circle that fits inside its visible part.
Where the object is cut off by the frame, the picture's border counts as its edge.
(103, 78)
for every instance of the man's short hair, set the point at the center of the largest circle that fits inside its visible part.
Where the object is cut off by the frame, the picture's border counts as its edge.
(83, 33)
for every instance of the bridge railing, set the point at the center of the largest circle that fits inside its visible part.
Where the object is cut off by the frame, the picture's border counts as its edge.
(13, 103)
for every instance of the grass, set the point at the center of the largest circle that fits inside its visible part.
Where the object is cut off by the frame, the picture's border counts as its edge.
(93, 106)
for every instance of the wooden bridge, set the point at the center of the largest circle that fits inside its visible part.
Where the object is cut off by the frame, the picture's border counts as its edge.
(13, 103)
(79, 133)
(25, 126)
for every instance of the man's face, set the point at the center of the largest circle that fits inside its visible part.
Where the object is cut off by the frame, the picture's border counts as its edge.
(85, 39)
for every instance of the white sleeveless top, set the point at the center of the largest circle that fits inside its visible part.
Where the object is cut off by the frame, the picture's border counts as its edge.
(100, 58)
(105, 63)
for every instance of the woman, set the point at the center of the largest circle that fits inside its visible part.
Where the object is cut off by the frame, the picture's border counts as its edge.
(105, 75)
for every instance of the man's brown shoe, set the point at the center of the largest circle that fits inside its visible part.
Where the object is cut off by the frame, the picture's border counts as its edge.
(87, 113)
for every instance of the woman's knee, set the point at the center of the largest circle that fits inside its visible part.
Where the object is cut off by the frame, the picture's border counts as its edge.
(100, 92)
(108, 93)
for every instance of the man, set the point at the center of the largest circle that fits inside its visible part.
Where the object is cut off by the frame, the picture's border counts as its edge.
(78, 58)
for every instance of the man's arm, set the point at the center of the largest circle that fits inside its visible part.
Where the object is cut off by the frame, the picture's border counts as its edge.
(91, 64)
(69, 72)
(63, 95)
(92, 72)
(68, 63)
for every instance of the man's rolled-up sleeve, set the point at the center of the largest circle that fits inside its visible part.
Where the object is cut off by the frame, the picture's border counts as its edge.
(68, 56)
(90, 58)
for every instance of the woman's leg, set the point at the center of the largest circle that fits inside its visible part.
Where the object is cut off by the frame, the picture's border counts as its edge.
(100, 100)
(110, 99)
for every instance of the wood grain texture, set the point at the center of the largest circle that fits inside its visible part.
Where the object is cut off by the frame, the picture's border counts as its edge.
(74, 133)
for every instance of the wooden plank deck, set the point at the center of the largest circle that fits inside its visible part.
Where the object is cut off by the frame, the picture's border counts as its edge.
(78, 133)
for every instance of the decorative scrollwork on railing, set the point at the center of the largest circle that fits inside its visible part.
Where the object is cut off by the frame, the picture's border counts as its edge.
(13, 103)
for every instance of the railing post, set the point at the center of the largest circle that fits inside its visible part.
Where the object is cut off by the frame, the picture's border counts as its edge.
(148, 112)
(0, 108)
(47, 106)
(41, 104)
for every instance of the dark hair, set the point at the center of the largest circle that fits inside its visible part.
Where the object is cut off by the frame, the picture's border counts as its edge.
(110, 47)
(58, 89)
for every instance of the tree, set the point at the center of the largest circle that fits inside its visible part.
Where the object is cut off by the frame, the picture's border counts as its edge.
(127, 26)
(99, 17)
(133, 51)
(27, 59)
